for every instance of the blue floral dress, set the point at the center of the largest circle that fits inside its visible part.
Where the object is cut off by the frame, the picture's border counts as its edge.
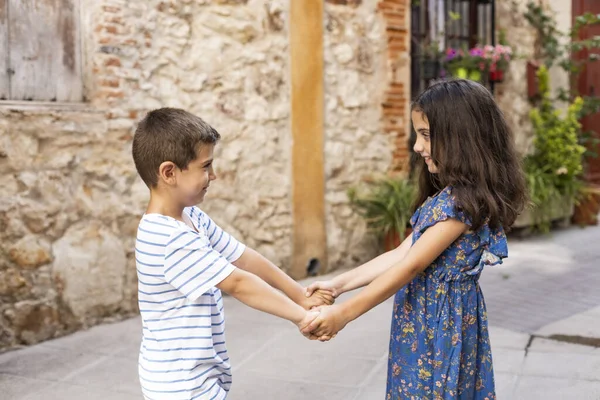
(439, 344)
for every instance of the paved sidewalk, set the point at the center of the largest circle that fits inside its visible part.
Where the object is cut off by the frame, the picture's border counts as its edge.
(544, 311)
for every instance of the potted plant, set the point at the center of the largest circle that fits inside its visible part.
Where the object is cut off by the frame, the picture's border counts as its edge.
(386, 207)
(466, 63)
(498, 57)
(554, 169)
(587, 206)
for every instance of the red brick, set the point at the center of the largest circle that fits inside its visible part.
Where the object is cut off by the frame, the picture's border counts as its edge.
(398, 104)
(112, 83)
(391, 14)
(393, 112)
(111, 29)
(112, 62)
(110, 94)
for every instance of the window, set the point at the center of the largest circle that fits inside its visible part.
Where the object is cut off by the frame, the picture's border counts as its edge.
(430, 21)
(40, 51)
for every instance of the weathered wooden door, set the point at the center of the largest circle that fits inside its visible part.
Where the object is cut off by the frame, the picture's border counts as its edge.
(588, 82)
(40, 51)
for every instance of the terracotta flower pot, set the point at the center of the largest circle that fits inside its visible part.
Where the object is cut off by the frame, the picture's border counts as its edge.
(496, 76)
(586, 212)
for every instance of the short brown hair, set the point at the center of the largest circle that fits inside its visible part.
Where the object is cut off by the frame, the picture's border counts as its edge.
(168, 134)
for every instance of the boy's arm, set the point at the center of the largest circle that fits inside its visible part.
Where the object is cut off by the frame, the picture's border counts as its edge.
(364, 274)
(252, 261)
(192, 266)
(256, 293)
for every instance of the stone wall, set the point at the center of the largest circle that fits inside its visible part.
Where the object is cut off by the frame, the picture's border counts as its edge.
(563, 13)
(71, 199)
(356, 146)
(511, 95)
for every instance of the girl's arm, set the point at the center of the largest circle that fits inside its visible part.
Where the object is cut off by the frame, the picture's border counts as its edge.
(425, 250)
(364, 274)
(254, 262)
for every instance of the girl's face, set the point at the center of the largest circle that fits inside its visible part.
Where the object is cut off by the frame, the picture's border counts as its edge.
(423, 143)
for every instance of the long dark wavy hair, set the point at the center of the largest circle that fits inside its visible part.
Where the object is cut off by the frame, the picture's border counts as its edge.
(473, 148)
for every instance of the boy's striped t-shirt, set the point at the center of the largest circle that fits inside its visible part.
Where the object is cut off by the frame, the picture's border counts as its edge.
(183, 354)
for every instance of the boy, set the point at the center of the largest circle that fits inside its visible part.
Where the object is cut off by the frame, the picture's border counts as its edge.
(184, 260)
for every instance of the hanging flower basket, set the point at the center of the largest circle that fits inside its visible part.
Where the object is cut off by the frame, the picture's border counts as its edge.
(481, 63)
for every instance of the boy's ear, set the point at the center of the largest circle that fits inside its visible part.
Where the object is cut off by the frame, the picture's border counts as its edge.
(166, 172)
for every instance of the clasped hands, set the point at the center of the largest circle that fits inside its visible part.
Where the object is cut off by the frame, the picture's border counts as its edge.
(324, 320)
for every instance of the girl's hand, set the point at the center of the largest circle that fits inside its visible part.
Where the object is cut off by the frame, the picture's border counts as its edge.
(329, 286)
(327, 324)
(317, 299)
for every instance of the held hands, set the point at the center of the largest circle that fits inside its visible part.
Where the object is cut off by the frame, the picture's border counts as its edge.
(322, 293)
(318, 298)
(326, 325)
(324, 321)
(309, 316)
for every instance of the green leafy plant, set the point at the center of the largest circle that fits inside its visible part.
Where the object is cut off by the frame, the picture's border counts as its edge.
(555, 167)
(541, 194)
(386, 206)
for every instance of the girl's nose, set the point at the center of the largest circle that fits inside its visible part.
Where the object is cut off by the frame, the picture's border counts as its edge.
(418, 147)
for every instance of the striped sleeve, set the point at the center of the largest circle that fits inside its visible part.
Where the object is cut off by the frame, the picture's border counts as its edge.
(220, 240)
(192, 266)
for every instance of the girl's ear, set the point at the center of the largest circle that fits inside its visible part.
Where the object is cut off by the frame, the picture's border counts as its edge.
(166, 173)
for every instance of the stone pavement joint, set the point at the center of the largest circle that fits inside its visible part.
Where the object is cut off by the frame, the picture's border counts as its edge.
(585, 341)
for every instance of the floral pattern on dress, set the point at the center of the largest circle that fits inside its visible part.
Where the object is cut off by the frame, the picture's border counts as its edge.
(439, 344)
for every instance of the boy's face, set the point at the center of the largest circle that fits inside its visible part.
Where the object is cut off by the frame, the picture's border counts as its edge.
(193, 182)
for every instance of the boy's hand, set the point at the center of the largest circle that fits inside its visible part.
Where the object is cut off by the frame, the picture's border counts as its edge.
(318, 298)
(308, 318)
(327, 324)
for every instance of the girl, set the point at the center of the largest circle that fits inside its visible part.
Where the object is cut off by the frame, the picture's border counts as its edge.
(471, 186)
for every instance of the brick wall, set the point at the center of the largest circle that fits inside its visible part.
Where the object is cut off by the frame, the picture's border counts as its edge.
(396, 118)
(396, 14)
